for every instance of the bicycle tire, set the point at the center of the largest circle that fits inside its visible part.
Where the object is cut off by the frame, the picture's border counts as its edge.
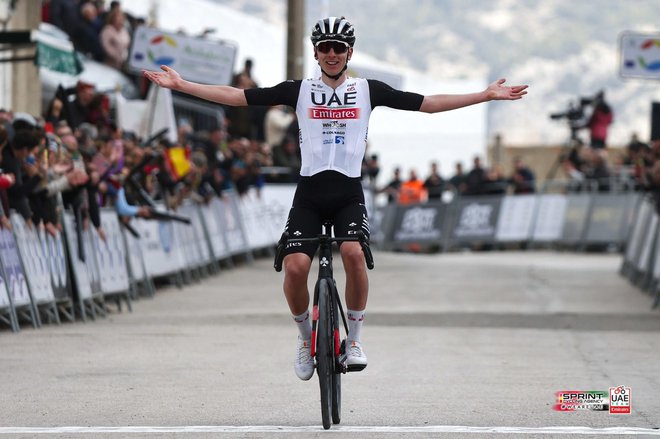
(336, 374)
(325, 354)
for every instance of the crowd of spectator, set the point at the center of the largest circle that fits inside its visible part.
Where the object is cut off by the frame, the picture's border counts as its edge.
(478, 181)
(102, 34)
(584, 169)
(75, 155)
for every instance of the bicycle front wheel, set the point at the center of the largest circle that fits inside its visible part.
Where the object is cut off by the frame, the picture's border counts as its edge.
(336, 373)
(325, 353)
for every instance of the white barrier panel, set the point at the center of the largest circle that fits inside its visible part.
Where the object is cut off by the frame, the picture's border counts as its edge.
(84, 274)
(187, 242)
(516, 218)
(57, 261)
(212, 222)
(193, 212)
(161, 256)
(278, 199)
(135, 259)
(35, 261)
(11, 261)
(656, 266)
(4, 294)
(549, 224)
(575, 221)
(252, 209)
(476, 218)
(232, 224)
(419, 223)
(609, 216)
(645, 256)
(111, 254)
(639, 235)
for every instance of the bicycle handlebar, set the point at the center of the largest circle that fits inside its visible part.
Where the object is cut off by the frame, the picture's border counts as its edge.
(360, 237)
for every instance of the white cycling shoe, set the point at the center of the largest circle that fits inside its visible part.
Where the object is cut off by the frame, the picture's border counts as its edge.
(356, 360)
(304, 363)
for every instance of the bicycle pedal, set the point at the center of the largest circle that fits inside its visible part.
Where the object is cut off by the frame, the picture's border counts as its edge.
(355, 367)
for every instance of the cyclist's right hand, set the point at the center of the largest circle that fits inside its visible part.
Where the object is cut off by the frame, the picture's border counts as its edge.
(168, 78)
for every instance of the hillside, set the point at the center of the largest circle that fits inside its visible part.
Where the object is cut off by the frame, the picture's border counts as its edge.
(564, 49)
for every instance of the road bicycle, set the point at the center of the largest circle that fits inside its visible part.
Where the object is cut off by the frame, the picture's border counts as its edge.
(326, 349)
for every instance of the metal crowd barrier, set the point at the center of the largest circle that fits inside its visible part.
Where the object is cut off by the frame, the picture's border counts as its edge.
(46, 279)
(577, 221)
(641, 260)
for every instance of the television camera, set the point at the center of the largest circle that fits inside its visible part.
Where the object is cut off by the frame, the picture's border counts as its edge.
(574, 115)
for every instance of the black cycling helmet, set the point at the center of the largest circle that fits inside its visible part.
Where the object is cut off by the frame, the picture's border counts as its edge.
(333, 29)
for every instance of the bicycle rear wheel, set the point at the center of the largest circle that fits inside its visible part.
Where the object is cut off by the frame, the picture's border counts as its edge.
(325, 353)
(336, 374)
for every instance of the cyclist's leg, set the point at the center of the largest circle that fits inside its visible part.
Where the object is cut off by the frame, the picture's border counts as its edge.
(296, 272)
(348, 222)
(302, 223)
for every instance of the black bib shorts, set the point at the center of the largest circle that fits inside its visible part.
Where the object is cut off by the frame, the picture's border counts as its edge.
(326, 196)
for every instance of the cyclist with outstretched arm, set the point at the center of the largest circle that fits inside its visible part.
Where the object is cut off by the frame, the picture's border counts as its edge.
(333, 115)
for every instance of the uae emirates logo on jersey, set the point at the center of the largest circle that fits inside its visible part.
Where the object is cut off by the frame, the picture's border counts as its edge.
(336, 114)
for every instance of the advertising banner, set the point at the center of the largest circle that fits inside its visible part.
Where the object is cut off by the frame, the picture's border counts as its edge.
(196, 59)
(639, 55)
(422, 223)
(575, 221)
(647, 246)
(11, 261)
(215, 228)
(609, 215)
(58, 268)
(203, 249)
(111, 254)
(4, 294)
(516, 218)
(549, 224)
(85, 274)
(476, 219)
(158, 247)
(35, 260)
(233, 225)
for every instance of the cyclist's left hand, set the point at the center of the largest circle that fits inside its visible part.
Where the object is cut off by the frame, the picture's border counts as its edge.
(497, 91)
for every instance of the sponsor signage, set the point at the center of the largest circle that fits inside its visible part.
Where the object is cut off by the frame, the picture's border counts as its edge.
(196, 59)
(639, 55)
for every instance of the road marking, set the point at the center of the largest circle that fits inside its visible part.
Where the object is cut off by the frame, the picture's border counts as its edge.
(612, 431)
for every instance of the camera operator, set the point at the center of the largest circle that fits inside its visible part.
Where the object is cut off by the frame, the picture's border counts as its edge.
(599, 121)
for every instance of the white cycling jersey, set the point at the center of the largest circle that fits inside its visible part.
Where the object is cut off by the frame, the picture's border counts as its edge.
(333, 123)
(333, 126)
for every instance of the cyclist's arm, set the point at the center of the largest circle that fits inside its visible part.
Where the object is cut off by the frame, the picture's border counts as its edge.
(222, 94)
(495, 91)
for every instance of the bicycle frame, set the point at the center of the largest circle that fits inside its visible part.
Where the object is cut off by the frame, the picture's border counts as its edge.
(330, 360)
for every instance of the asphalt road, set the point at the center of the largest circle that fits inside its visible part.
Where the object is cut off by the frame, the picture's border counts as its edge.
(468, 344)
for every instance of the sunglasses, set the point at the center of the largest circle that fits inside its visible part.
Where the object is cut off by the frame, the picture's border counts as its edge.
(337, 46)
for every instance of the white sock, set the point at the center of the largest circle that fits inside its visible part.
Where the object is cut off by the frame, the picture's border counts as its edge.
(355, 319)
(304, 325)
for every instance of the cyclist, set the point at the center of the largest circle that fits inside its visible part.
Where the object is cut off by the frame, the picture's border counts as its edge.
(333, 114)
